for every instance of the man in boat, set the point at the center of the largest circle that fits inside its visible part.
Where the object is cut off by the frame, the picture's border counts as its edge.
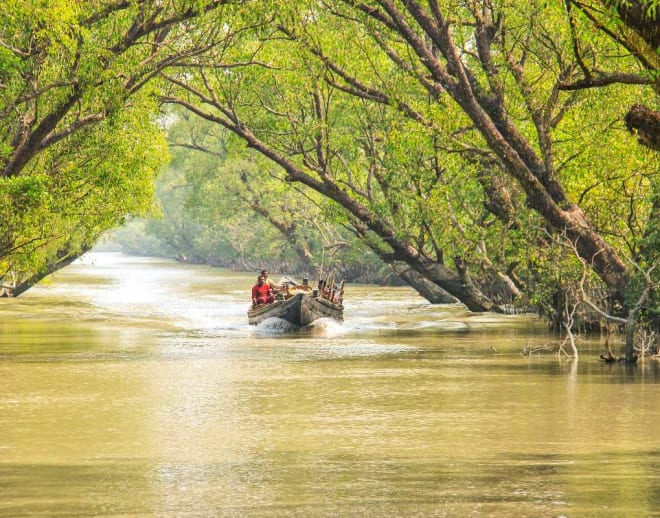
(262, 292)
(273, 286)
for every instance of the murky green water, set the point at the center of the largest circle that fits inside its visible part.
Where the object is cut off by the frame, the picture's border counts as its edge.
(135, 387)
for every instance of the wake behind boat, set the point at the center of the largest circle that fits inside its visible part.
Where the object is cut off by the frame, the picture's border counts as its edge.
(300, 305)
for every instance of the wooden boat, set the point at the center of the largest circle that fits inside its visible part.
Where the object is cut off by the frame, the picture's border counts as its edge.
(300, 310)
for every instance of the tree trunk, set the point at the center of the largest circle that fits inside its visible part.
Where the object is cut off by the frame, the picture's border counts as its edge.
(426, 288)
(288, 231)
(645, 123)
(66, 260)
(534, 172)
(629, 350)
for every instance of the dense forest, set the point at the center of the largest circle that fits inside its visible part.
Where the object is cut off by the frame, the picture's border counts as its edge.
(500, 154)
(218, 206)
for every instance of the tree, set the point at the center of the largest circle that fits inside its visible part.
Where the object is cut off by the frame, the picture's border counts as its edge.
(227, 183)
(464, 84)
(634, 25)
(223, 206)
(75, 98)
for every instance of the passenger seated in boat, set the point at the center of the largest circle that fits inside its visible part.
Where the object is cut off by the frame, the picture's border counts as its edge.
(261, 292)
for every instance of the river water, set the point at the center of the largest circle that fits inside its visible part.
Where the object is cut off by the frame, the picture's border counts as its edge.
(135, 387)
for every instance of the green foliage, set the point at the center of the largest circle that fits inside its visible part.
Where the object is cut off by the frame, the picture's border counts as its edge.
(208, 198)
(23, 194)
(80, 143)
(359, 114)
(83, 192)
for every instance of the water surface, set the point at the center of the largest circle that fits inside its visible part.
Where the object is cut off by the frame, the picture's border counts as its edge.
(134, 386)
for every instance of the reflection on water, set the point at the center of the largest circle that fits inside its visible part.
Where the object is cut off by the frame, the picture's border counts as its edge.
(133, 386)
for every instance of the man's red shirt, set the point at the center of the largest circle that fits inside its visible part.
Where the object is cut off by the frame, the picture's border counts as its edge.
(263, 290)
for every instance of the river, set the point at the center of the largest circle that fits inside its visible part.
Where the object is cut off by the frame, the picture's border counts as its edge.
(135, 387)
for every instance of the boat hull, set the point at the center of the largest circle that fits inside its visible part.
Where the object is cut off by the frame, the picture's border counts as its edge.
(300, 310)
